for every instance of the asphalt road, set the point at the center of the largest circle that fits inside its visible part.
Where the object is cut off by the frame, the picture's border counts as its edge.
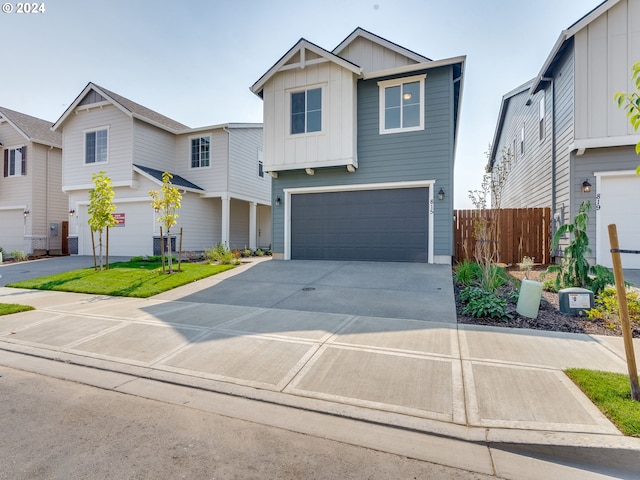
(56, 429)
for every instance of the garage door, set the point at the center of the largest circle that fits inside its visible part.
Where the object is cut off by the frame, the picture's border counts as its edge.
(376, 225)
(619, 204)
(12, 230)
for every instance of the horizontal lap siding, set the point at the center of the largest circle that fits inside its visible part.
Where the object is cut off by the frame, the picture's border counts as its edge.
(154, 147)
(244, 181)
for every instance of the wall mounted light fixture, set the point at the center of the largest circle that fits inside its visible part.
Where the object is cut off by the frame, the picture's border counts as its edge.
(278, 201)
(26, 212)
(71, 212)
(441, 194)
(586, 186)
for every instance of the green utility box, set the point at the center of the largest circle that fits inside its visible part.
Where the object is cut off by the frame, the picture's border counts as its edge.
(575, 301)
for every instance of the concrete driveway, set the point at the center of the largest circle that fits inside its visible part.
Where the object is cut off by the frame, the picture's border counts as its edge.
(395, 290)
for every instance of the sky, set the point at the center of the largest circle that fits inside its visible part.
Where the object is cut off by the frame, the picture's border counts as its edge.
(194, 60)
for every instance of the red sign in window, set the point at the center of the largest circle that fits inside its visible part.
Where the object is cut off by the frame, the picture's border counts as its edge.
(119, 218)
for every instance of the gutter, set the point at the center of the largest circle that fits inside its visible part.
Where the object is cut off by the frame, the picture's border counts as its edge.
(552, 85)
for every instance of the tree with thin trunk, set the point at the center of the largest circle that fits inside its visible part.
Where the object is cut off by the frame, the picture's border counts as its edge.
(100, 218)
(631, 103)
(166, 202)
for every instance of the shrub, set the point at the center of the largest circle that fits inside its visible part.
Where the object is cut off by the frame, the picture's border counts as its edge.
(480, 303)
(526, 264)
(19, 255)
(468, 273)
(606, 307)
(246, 252)
(259, 252)
(221, 254)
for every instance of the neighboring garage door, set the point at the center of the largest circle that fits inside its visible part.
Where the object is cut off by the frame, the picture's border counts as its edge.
(377, 225)
(619, 204)
(12, 230)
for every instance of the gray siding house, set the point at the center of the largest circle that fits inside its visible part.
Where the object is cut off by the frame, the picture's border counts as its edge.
(226, 196)
(32, 204)
(360, 142)
(564, 141)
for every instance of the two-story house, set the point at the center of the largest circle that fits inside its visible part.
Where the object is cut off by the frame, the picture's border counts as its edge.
(360, 142)
(566, 141)
(218, 169)
(33, 208)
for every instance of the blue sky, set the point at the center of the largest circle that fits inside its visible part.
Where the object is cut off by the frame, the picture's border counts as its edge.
(194, 60)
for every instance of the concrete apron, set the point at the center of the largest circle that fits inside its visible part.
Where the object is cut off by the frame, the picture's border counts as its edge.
(480, 384)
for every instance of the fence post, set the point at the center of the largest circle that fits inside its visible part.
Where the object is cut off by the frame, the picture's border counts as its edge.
(623, 310)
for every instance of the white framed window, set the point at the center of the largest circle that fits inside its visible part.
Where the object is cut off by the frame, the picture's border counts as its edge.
(96, 146)
(541, 113)
(260, 164)
(306, 111)
(402, 104)
(15, 161)
(522, 140)
(201, 152)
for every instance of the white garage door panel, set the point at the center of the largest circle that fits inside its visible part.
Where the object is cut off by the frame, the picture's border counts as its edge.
(135, 238)
(619, 204)
(11, 230)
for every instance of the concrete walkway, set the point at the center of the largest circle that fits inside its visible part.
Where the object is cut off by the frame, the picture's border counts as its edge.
(368, 342)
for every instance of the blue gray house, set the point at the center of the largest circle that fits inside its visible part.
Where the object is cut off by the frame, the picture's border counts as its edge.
(360, 142)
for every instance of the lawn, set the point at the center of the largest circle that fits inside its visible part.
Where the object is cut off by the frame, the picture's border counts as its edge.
(126, 279)
(611, 393)
(9, 308)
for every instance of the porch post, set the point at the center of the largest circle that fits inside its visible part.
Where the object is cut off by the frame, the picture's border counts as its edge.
(253, 224)
(226, 213)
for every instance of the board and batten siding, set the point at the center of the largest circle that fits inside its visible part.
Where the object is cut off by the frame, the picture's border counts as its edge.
(398, 157)
(213, 178)
(605, 51)
(153, 147)
(373, 57)
(120, 144)
(244, 180)
(335, 144)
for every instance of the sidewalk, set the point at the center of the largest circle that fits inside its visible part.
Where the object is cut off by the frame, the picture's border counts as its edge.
(499, 392)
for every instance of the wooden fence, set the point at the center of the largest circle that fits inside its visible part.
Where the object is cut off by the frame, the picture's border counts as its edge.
(522, 232)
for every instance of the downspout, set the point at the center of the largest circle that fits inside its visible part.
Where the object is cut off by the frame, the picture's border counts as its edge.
(551, 80)
(46, 202)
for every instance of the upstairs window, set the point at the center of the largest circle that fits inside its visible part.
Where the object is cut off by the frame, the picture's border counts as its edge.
(541, 117)
(96, 146)
(200, 152)
(306, 111)
(402, 104)
(15, 162)
(260, 164)
(522, 140)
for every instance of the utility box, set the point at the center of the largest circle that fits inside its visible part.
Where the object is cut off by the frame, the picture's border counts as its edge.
(53, 230)
(575, 301)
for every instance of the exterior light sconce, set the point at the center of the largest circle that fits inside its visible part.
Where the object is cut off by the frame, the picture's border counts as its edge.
(278, 201)
(72, 212)
(441, 194)
(586, 186)
(26, 212)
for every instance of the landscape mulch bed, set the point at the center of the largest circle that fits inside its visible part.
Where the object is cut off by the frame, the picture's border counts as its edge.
(549, 316)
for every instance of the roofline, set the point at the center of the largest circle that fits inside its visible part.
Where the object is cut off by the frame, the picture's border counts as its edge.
(158, 182)
(414, 67)
(27, 137)
(383, 41)
(223, 125)
(565, 35)
(303, 43)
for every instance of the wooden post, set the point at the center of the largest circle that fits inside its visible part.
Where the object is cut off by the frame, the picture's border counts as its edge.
(162, 249)
(93, 249)
(623, 309)
(180, 250)
(107, 265)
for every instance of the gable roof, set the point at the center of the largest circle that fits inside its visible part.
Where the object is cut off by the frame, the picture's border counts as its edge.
(300, 46)
(361, 32)
(129, 107)
(563, 42)
(506, 98)
(156, 176)
(31, 128)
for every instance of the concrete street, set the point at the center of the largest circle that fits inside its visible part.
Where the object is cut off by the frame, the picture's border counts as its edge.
(377, 343)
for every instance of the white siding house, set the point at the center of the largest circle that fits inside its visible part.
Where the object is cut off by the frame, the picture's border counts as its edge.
(215, 167)
(577, 145)
(33, 208)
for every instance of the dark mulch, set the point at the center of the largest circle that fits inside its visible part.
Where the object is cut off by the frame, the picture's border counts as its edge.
(549, 316)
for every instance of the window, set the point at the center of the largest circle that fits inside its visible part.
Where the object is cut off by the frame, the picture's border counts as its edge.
(522, 140)
(306, 111)
(260, 164)
(200, 152)
(541, 118)
(15, 162)
(515, 151)
(96, 146)
(402, 104)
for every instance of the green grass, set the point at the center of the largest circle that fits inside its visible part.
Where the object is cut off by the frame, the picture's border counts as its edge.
(9, 308)
(125, 279)
(611, 393)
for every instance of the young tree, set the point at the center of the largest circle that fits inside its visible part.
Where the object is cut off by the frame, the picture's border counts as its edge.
(631, 103)
(166, 202)
(100, 207)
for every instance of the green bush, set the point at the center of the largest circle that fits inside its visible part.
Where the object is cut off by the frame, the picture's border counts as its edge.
(19, 255)
(467, 273)
(221, 254)
(259, 252)
(606, 307)
(480, 303)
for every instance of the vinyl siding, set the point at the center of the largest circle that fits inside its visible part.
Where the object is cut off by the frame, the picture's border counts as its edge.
(153, 147)
(213, 178)
(120, 144)
(244, 181)
(201, 222)
(409, 156)
(239, 225)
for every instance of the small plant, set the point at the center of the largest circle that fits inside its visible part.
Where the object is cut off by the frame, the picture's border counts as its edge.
(221, 254)
(606, 307)
(468, 273)
(19, 255)
(236, 253)
(480, 303)
(526, 265)
(259, 253)
(246, 252)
